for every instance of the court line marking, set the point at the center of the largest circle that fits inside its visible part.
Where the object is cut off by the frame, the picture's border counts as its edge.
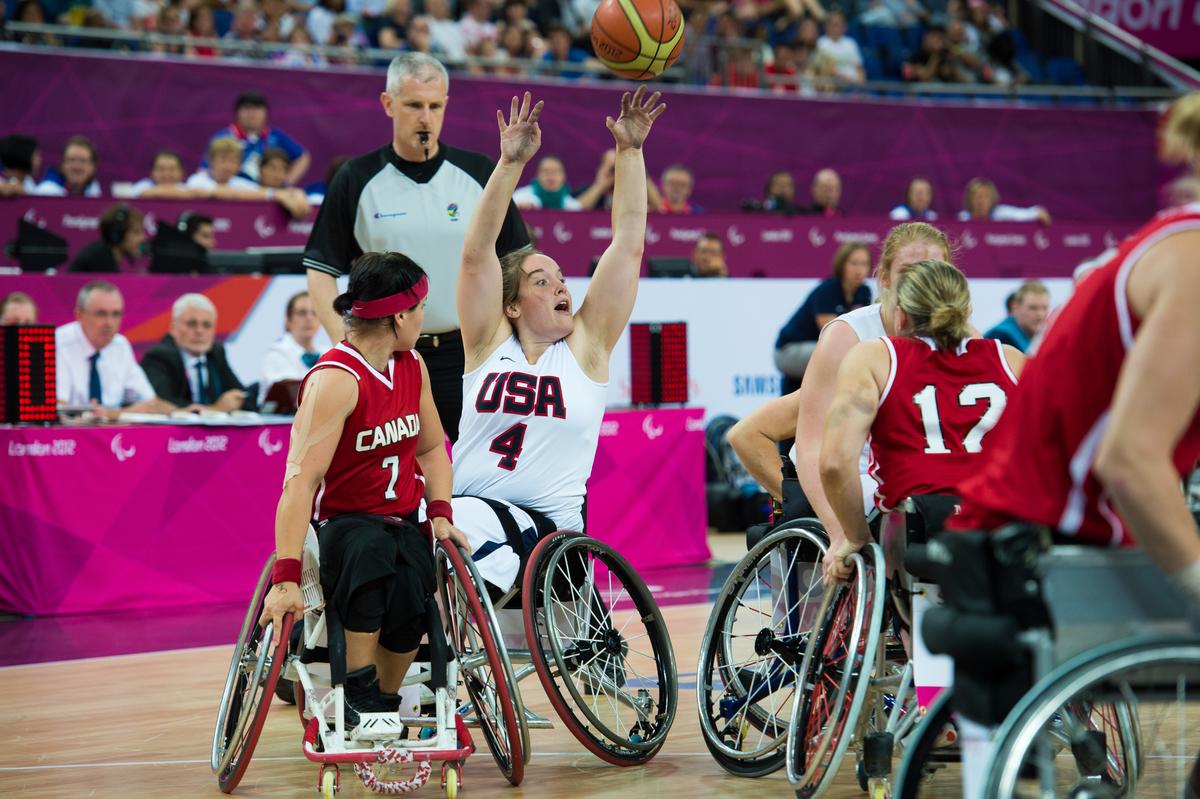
(101, 658)
(276, 759)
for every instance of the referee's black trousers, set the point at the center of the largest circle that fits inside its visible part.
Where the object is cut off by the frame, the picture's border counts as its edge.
(443, 354)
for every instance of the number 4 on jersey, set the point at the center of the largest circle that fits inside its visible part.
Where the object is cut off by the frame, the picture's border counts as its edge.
(509, 444)
(926, 401)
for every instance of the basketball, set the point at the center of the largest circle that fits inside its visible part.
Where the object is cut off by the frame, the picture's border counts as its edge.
(637, 39)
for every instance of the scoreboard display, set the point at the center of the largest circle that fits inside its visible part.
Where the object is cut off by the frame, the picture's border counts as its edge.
(27, 391)
(658, 367)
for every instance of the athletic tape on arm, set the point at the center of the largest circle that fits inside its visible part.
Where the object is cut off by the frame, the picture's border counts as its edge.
(307, 432)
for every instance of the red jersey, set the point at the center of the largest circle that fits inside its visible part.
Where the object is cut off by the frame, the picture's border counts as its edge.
(374, 468)
(935, 410)
(1039, 462)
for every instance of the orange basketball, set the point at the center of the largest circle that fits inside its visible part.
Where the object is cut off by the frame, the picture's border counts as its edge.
(637, 39)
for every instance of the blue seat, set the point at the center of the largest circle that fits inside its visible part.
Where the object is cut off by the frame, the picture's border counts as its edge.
(873, 64)
(885, 38)
(1019, 40)
(222, 20)
(1064, 71)
(1032, 66)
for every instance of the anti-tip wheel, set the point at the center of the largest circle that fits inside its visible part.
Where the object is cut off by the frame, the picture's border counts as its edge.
(329, 783)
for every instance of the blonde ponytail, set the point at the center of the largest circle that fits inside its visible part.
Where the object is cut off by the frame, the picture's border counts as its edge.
(935, 297)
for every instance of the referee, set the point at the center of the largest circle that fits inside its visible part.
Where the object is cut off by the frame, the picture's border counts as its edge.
(414, 196)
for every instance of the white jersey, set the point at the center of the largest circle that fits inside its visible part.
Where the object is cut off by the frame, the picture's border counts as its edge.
(867, 324)
(528, 432)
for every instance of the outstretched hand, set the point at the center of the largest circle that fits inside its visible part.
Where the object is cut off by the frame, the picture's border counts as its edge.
(520, 135)
(638, 113)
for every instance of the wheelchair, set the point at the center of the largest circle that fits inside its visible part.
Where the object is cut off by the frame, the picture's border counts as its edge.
(1110, 648)
(581, 618)
(380, 744)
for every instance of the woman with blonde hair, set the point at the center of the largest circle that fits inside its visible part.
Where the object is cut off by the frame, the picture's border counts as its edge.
(801, 414)
(925, 398)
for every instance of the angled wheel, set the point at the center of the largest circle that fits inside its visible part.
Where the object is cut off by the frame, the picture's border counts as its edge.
(483, 664)
(931, 766)
(600, 648)
(249, 687)
(838, 663)
(1119, 720)
(754, 645)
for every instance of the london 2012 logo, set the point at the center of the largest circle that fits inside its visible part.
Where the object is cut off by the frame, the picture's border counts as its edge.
(452, 211)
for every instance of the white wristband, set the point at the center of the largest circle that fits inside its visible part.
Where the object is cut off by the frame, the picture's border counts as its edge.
(1188, 580)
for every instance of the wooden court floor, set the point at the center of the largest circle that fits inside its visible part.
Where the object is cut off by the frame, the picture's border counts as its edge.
(141, 726)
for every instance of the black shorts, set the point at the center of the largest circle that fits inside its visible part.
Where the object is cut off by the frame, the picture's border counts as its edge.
(357, 549)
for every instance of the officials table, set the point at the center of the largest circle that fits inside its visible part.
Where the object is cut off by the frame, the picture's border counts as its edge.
(118, 516)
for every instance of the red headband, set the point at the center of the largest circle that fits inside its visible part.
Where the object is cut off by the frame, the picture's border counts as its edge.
(394, 304)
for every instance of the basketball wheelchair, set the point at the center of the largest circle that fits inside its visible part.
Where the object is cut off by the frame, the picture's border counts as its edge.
(315, 660)
(1078, 668)
(581, 618)
(794, 673)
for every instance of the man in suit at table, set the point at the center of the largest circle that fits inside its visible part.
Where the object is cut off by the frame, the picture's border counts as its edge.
(189, 365)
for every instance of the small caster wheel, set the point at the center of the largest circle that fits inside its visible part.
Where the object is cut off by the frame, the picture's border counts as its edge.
(330, 783)
(880, 789)
(451, 783)
(860, 772)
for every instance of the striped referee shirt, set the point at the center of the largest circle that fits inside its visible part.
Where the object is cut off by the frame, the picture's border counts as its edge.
(380, 202)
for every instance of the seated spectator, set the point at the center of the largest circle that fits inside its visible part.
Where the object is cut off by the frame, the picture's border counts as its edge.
(834, 296)
(971, 60)
(120, 246)
(561, 52)
(169, 23)
(476, 24)
(277, 23)
(1030, 306)
(516, 15)
(32, 12)
(250, 127)
(981, 203)
(200, 229)
(708, 257)
(94, 363)
(320, 17)
(837, 55)
(826, 194)
(273, 170)
(918, 202)
(188, 366)
(245, 25)
(576, 17)
(315, 192)
(516, 44)
(20, 161)
(300, 53)
(784, 73)
(202, 26)
(76, 175)
(780, 196)
(934, 62)
(222, 182)
(420, 35)
(166, 179)
(677, 183)
(18, 308)
(446, 37)
(392, 33)
(293, 355)
(740, 72)
(549, 188)
(599, 194)
(347, 36)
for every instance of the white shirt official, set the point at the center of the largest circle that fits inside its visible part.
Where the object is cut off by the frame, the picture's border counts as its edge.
(122, 380)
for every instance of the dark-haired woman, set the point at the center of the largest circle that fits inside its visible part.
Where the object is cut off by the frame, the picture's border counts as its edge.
(925, 398)
(536, 367)
(365, 447)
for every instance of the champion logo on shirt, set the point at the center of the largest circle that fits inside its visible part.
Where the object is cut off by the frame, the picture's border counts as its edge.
(452, 211)
(382, 215)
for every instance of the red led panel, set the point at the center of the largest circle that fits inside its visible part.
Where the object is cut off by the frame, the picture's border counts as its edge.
(27, 391)
(658, 363)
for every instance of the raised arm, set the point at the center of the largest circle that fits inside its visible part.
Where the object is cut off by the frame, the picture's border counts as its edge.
(613, 290)
(329, 397)
(480, 288)
(851, 413)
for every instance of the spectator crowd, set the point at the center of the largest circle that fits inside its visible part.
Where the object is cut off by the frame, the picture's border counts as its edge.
(782, 45)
